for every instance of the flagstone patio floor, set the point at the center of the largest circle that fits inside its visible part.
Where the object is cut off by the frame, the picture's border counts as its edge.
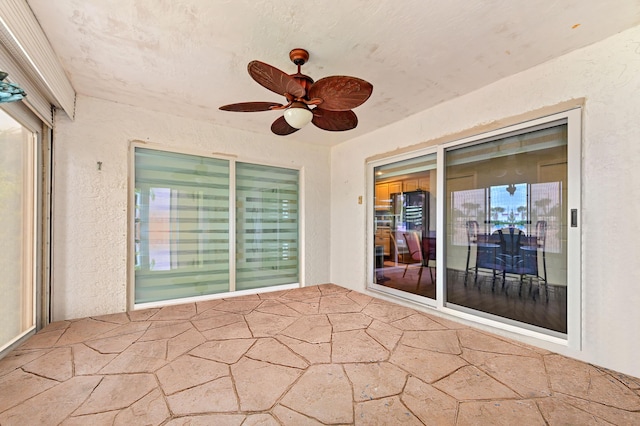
(309, 356)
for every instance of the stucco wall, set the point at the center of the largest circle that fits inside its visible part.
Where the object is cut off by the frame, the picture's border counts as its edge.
(607, 75)
(90, 205)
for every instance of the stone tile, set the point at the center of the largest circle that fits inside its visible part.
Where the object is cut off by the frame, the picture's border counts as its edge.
(387, 335)
(85, 329)
(183, 343)
(236, 330)
(260, 420)
(117, 392)
(188, 371)
(387, 312)
(392, 410)
(556, 412)
(18, 358)
(326, 289)
(18, 386)
(88, 361)
(313, 353)
(150, 410)
(165, 332)
(311, 329)
(141, 357)
(227, 351)
(375, 380)
(443, 341)
(115, 344)
(449, 324)
(582, 380)
(208, 420)
(288, 417)
(612, 415)
(56, 365)
(632, 383)
(264, 324)
(471, 383)
(99, 419)
(43, 339)
(306, 307)
(128, 328)
(213, 319)
(206, 305)
(497, 412)
(479, 341)
(260, 384)
(338, 303)
(119, 318)
(323, 393)
(360, 298)
(430, 405)
(524, 375)
(53, 405)
(276, 307)
(143, 314)
(217, 396)
(175, 312)
(272, 351)
(54, 326)
(273, 294)
(426, 365)
(356, 346)
(417, 322)
(303, 293)
(238, 305)
(351, 321)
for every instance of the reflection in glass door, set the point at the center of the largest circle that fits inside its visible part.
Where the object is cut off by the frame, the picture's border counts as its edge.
(405, 226)
(506, 216)
(17, 235)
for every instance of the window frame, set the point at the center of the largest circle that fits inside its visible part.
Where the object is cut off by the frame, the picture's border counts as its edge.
(232, 159)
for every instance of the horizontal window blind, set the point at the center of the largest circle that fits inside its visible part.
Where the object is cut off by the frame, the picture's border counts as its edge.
(181, 225)
(266, 226)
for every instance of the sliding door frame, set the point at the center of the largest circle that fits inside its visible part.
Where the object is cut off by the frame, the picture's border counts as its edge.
(233, 159)
(574, 336)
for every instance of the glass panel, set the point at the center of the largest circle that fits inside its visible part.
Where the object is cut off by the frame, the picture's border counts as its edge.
(507, 228)
(405, 225)
(266, 226)
(181, 225)
(17, 230)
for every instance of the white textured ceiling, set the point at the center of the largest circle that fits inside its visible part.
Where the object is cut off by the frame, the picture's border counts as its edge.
(188, 57)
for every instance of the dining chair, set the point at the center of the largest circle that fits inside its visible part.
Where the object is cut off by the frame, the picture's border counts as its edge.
(412, 239)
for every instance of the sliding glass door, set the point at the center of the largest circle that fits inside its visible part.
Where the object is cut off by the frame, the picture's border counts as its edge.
(205, 226)
(18, 230)
(486, 227)
(507, 222)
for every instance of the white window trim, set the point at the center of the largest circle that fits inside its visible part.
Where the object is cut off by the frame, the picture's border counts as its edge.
(574, 336)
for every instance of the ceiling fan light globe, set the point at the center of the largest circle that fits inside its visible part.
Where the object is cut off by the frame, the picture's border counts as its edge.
(298, 117)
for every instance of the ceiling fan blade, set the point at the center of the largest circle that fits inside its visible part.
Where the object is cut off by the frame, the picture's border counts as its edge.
(274, 79)
(282, 128)
(334, 121)
(341, 93)
(250, 106)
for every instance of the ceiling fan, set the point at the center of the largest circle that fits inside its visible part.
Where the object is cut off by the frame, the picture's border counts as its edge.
(332, 98)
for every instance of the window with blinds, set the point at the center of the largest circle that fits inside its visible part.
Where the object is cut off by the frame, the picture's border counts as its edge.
(184, 223)
(266, 226)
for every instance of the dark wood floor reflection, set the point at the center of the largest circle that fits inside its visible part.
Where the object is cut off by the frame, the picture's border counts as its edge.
(530, 303)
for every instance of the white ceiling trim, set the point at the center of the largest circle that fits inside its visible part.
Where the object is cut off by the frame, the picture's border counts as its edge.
(21, 35)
